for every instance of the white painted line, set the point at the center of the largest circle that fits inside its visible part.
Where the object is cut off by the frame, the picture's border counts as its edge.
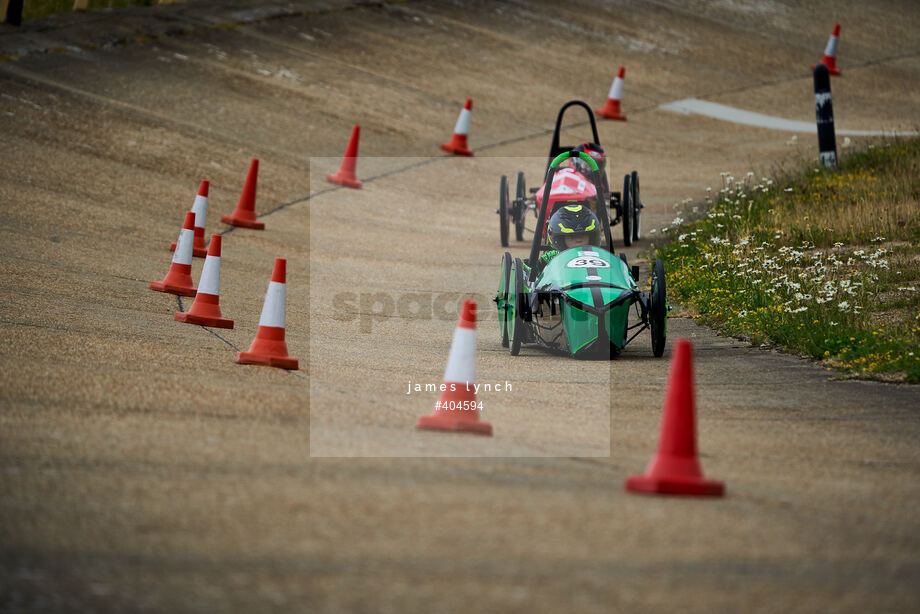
(749, 118)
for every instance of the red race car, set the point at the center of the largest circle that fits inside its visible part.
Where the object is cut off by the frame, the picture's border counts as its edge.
(571, 184)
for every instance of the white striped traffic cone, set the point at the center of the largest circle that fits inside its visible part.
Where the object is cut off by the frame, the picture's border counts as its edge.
(206, 308)
(456, 410)
(200, 209)
(269, 348)
(611, 109)
(457, 144)
(830, 52)
(179, 279)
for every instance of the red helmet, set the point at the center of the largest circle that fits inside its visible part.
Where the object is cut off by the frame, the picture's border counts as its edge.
(592, 149)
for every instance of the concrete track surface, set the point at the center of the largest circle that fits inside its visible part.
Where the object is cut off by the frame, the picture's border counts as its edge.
(142, 470)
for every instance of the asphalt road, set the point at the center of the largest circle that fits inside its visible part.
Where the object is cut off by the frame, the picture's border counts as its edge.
(142, 469)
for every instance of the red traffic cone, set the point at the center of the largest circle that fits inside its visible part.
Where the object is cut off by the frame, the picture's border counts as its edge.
(206, 308)
(269, 348)
(200, 209)
(346, 175)
(456, 409)
(830, 52)
(611, 109)
(457, 144)
(179, 279)
(675, 469)
(245, 213)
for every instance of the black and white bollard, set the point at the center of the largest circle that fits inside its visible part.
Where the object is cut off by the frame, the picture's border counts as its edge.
(824, 113)
(11, 12)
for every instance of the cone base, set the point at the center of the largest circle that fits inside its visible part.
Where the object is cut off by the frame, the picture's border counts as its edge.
(675, 485)
(243, 223)
(197, 252)
(282, 362)
(160, 286)
(436, 422)
(831, 70)
(213, 322)
(347, 182)
(456, 150)
(610, 115)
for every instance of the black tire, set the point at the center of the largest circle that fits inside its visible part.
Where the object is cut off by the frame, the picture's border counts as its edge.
(626, 206)
(520, 210)
(503, 298)
(503, 210)
(516, 308)
(637, 206)
(658, 309)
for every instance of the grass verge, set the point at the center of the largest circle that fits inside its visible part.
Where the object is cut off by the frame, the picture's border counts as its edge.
(33, 9)
(821, 263)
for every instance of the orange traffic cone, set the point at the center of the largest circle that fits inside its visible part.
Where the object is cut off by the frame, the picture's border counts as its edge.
(675, 469)
(830, 52)
(611, 110)
(200, 209)
(245, 213)
(456, 410)
(346, 175)
(179, 279)
(269, 348)
(457, 144)
(206, 308)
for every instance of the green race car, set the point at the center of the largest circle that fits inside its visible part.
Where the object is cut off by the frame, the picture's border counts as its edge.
(578, 301)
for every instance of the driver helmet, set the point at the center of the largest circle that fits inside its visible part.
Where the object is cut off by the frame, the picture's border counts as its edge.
(573, 219)
(592, 149)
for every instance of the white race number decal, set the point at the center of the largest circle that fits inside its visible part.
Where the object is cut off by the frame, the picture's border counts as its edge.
(583, 262)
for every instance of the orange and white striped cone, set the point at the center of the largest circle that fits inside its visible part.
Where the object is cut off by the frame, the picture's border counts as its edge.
(200, 209)
(830, 52)
(456, 409)
(611, 110)
(245, 213)
(457, 144)
(345, 177)
(179, 279)
(206, 308)
(269, 348)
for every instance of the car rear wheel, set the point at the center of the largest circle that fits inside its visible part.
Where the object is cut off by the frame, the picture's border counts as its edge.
(503, 298)
(658, 309)
(516, 298)
(637, 206)
(503, 210)
(520, 209)
(626, 204)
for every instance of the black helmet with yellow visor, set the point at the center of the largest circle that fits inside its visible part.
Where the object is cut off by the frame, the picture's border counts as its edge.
(573, 219)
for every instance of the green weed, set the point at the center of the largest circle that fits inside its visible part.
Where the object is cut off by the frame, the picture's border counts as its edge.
(822, 263)
(33, 9)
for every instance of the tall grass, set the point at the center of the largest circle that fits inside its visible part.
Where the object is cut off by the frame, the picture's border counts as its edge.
(823, 263)
(33, 9)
